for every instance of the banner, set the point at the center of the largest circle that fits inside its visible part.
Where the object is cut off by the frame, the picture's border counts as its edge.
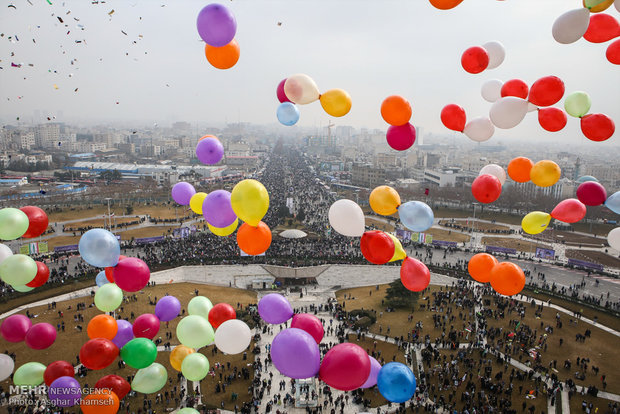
(69, 248)
(444, 243)
(587, 265)
(497, 249)
(181, 232)
(403, 234)
(147, 240)
(545, 253)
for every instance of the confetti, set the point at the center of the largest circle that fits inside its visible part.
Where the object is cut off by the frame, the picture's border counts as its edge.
(111, 12)
(49, 2)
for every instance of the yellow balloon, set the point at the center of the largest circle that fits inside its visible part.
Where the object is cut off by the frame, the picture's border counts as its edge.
(384, 200)
(535, 222)
(224, 231)
(178, 354)
(399, 252)
(596, 6)
(195, 203)
(545, 173)
(250, 201)
(336, 102)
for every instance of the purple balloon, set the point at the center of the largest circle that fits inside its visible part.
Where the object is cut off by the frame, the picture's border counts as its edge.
(216, 25)
(41, 335)
(275, 308)
(182, 192)
(296, 354)
(375, 367)
(209, 150)
(124, 333)
(167, 308)
(65, 392)
(15, 327)
(217, 209)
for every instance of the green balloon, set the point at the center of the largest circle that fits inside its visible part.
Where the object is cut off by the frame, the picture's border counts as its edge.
(23, 288)
(13, 223)
(195, 332)
(108, 297)
(31, 373)
(188, 410)
(200, 306)
(195, 366)
(17, 270)
(150, 379)
(577, 104)
(139, 353)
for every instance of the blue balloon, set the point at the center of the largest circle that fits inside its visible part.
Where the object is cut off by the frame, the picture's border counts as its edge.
(396, 382)
(101, 280)
(585, 178)
(613, 202)
(99, 248)
(416, 215)
(288, 114)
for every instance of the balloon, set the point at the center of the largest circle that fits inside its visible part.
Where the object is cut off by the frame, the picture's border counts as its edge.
(396, 110)
(591, 193)
(109, 271)
(401, 137)
(347, 218)
(132, 274)
(597, 127)
(217, 209)
(480, 266)
(287, 113)
(6, 366)
(396, 382)
(475, 59)
(577, 104)
(18, 269)
(612, 203)
(453, 117)
(225, 231)
(515, 87)
(250, 201)
(486, 188)
(146, 326)
(399, 252)
(22, 288)
(596, 6)
(301, 89)
(570, 210)
(139, 353)
(602, 28)
(416, 215)
(507, 279)
(188, 410)
(99, 248)
(280, 92)
(208, 151)
(15, 327)
(445, 4)
(220, 313)
(108, 297)
(494, 170)
(223, 57)
(43, 273)
(345, 367)
(40, 336)
(309, 323)
(375, 366)
(508, 112)
(552, 119)
(546, 91)
(585, 178)
(216, 25)
(377, 247)
(101, 279)
(118, 385)
(102, 326)
(195, 331)
(5, 251)
(100, 402)
(37, 221)
(496, 53)
(613, 238)
(491, 90)
(13, 223)
(274, 308)
(613, 52)
(65, 392)
(167, 308)
(545, 173)
(519, 169)
(207, 136)
(31, 373)
(479, 129)
(535, 222)
(414, 274)
(200, 306)
(617, 5)
(233, 337)
(571, 26)
(195, 203)
(295, 353)
(124, 333)
(254, 240)
(336, 102)
(195, 366)
(182, 193)
(56, 370)
(178, 354)
(98, 353)
(384, 200)
(150, 379)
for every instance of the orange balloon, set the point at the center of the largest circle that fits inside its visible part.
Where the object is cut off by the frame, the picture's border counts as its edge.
(254, 240)
(519, 169)
(208, 136)
(178, 354)
(102, 326)
(100, 402)
(445, 4)
(599, 7)
(396, 110)
(480, 267)
(224, 57)
(507, 279)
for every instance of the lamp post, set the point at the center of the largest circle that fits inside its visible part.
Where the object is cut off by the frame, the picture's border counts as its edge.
(473, 231)
(109, 217)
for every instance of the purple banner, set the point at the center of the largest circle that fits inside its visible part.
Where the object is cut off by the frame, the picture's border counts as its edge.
(444, 243)
(588, 265)
(147, 240)
(545, 253)
(497, 249)
(403, 234)
(69, 248)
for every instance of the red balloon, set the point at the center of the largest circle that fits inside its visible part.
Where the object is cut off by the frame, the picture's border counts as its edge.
(475, 59)
(98, 353)
(281, 97)
(109, 271)
(15, 328)
(597, 127)
(546, 91)
(38, 221)
(118, 385)
(515, 87)
(309, 323)
(220, 313)
(453, 117)
(414, 274)
(43, 273)
(570, 210)
(345, 367)
(591, 193)
(602, 28)
(486, 188)
(377, 247)
(57, 369)
(552, 119)
(41, 336)
(613, 52)
(131, 274)
(401, 137)
(146, 326)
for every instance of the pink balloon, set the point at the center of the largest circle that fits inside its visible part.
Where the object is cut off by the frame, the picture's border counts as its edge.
(146, 326)
(375, 367)
(280, 92)
(15, 327)
(570, 210)
(345, 367)
(41, 336)
(131, 274)
(591, 193)
(310, 324)
(401, 137)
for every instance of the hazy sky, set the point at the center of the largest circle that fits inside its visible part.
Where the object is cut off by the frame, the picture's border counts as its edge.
(372, 49)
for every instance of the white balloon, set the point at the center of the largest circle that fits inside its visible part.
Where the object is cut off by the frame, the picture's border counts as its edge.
(492, 90)
(508, 112)
(6, 366)
(5, 251)
(571, 26)
(496, 53)
(479, 129)
(233, 336)
(347, 218)
(494, 170)
(531, 107)
(617, 5)
(613, 238)
(301, 89)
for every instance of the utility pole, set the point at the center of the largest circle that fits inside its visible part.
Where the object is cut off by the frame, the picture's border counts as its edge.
(109, 216)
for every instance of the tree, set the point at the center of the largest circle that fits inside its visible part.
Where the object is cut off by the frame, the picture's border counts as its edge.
(129, 210)
(301, 215)
(398, 296)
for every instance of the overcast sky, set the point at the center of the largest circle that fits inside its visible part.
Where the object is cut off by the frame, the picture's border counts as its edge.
(372, 49)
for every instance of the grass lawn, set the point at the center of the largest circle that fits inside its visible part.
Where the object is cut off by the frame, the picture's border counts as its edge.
(379, 225)
(62, 241)
(512, 243)
(447, 235)
(99, 222)
(599, 405)
(150, 231)
(76, 213)
(594, 256)
(480, 225)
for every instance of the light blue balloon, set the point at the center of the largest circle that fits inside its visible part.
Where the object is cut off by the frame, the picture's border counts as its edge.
(99, 248)
(396, 382)
(416, 215)
(101, 280)
(613, 202)
(585, 178)
(287, 113)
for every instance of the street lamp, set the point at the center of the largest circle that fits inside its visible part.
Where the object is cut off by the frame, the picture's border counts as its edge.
(473, 229)
(109, 217)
